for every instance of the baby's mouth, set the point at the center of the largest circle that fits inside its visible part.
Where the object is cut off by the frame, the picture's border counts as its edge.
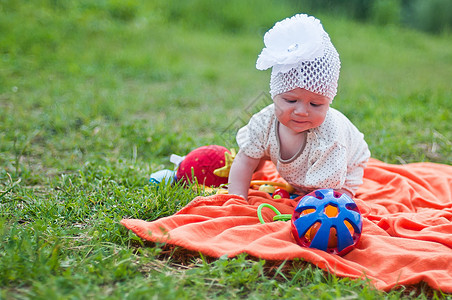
(300, 121)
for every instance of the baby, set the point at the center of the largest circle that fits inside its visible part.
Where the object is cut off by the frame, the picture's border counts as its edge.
(312, 145)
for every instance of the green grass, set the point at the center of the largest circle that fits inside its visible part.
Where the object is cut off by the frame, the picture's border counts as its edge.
(96, 95)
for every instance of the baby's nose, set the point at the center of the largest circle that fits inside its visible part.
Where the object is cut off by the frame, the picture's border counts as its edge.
(301, 109)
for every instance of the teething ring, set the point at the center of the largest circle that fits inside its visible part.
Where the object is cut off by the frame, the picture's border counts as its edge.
(261, 182)
(285, 186)
(278, 217)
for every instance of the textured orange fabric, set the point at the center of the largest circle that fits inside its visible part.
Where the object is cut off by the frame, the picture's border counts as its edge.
(407, 227)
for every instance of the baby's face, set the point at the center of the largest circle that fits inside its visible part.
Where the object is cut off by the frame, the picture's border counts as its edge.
(300, 109)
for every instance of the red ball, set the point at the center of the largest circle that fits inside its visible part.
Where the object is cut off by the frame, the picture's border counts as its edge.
(201, 163)
(281, 193)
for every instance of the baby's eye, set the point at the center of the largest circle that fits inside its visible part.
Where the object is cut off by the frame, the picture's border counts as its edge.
(315, 104)
(290, 101)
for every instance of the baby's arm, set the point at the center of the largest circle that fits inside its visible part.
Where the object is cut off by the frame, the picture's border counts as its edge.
(242, 170)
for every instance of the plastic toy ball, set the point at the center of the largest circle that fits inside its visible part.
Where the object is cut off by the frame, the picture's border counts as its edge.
(267, 188)
(327, 220)
(280, 193)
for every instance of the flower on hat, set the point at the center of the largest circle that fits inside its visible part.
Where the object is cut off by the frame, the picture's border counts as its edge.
(291, 41)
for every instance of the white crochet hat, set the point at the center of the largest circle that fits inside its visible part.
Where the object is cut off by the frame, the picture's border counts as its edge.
(301, 54)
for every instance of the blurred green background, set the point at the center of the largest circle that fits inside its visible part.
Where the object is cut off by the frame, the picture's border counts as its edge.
(95, 80)
(433, 16)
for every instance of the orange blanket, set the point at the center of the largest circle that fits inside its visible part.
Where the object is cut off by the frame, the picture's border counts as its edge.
(407, 227)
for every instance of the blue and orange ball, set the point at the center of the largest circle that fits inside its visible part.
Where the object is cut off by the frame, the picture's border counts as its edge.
(327, 220)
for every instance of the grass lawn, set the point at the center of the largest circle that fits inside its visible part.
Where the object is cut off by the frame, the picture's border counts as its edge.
(96, 95)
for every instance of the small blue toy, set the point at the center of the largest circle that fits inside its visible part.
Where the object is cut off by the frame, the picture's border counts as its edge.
(327, 220)
(167, 176)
